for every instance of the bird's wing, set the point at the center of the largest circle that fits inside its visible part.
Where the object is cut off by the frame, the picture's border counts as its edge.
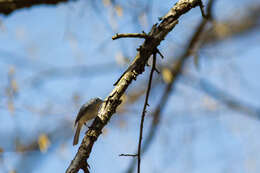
(82, 111)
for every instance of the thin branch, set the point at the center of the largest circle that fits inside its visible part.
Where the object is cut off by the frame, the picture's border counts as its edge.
(156, 35)
(202, 10)
(143, 113)
(161, 55)
(129, 155)
(131, 35)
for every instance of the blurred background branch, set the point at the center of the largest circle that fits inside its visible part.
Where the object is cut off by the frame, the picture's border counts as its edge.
(9, 6)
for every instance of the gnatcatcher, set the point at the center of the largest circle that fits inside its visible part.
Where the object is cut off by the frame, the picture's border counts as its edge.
(87, 112)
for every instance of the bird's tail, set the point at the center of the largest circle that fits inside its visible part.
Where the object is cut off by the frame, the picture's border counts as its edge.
(76, 137)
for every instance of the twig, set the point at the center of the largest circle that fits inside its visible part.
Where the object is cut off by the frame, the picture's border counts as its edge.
(131, 35)
(202, 10)
(129, 155)
(143, 113)
(158, 51)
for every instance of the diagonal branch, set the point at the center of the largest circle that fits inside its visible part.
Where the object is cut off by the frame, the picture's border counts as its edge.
(156, 35)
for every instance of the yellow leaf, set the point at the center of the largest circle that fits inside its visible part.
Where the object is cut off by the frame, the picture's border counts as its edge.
(167, 75)
(43, 142)
(119, 10)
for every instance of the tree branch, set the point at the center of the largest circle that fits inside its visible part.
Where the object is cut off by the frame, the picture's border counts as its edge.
(129, 155)
(131, 35)
(156, 35)
(9, 6)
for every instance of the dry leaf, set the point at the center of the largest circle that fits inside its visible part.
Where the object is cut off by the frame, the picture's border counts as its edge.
(167, 75)
(43, 142)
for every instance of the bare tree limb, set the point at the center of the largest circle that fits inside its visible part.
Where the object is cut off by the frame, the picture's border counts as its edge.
(156, 35)
(9, 6)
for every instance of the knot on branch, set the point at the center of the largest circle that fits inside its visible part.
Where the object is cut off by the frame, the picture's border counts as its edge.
(93, 133)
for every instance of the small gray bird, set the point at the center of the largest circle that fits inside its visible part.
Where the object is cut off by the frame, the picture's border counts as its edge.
(87, 112)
